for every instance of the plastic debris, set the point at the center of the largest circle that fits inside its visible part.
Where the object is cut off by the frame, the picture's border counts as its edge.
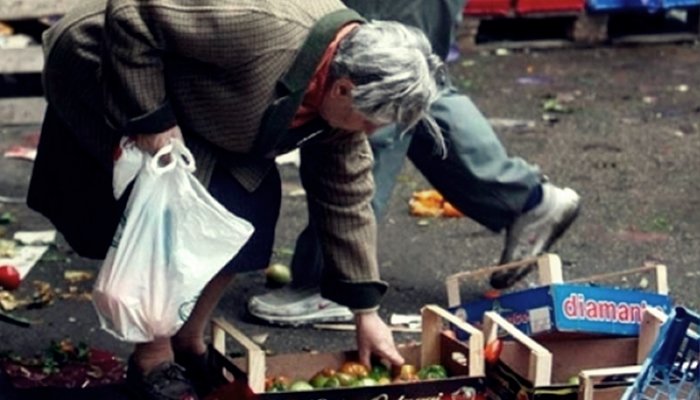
(35, 237)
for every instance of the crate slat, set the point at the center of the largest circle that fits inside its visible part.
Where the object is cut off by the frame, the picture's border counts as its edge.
(27, 60)
(27, 9)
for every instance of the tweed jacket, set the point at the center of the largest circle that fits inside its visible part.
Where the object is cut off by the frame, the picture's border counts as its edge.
(231, 74)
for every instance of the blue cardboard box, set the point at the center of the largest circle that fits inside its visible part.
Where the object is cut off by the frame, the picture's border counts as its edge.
(565, 307)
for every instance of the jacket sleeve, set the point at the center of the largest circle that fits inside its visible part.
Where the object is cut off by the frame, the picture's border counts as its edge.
(132, 70)
(337, 177)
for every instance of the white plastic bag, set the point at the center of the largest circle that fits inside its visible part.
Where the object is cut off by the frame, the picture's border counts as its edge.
(174, 237)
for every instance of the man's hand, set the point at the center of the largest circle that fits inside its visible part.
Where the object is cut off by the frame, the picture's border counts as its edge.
(151, 143)
(374, 337)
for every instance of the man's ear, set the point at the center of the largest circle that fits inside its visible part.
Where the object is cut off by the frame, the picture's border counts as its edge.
(342, 87)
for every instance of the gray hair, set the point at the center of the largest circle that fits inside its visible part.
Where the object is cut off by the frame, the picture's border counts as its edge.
(395, 73)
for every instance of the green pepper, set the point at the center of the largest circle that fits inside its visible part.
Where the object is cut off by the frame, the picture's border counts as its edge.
(379, 371)
(434, 371)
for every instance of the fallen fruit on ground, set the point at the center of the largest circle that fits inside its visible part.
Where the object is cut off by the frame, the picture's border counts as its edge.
(278, 274)
(9, 277)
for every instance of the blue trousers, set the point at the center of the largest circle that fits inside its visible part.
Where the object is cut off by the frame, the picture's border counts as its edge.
(477, 176)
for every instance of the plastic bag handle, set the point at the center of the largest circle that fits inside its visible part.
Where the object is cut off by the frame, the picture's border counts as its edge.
(167, 165)
(185, 158)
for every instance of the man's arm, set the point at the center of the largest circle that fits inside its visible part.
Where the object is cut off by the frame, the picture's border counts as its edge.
(338, 180)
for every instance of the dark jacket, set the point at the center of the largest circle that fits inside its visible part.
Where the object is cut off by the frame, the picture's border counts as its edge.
(231, 75)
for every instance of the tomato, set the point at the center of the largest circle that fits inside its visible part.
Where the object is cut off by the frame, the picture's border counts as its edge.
(356, 369)
(277, 384)
(9, 277)
(407, 373)
(492, 351)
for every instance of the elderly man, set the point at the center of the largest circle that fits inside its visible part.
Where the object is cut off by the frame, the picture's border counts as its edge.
(241, 81)
(477, 176)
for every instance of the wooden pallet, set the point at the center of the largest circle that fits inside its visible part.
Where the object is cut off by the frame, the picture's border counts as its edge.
(26, 110)
(581, 29)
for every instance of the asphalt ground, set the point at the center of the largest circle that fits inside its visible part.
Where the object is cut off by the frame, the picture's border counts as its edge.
(628, 141)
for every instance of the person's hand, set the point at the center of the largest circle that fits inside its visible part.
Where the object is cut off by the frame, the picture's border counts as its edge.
(153, 142)
(374, 337)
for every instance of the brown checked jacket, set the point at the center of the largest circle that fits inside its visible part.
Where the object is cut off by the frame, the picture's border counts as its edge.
(231, 74)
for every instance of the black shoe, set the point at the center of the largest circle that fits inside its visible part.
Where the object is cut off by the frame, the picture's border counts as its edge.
(166, 381)
(201, 370)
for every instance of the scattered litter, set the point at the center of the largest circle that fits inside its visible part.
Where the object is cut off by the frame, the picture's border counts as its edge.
(430, 203)
(7, 218)
(72, 319)
(408, 320)
(423, 222)
(21, 153)
(22, 257)
(35, 237)
(502, 52)
(8, 248)
(550, 118)
(649, 99)
(507, 123)
(43, 295)
(75, 276)
(555, 106)
(682, 88)
(8, 301)
(532, 80)
(14, 320)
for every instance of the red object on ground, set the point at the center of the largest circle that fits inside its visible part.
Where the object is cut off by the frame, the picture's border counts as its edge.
(488, 7)
(492, 351)
(548, 6)
(9, 277)
(492, 294)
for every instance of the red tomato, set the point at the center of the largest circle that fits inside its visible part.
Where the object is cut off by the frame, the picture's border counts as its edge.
(492, 351)
(9, 277)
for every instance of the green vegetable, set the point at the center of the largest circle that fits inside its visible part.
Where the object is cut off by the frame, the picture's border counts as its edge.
(319, 380)
(345, 379)
(332, 382)
(379, 371)
(434, 371)
(299, 386)
(364, 382)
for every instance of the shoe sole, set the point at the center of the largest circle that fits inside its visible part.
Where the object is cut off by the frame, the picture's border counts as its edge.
(510, 278)
(309, 319)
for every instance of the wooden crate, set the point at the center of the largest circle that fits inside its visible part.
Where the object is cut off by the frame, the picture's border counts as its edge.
(26, 110)
(463, 360)
(542, 368)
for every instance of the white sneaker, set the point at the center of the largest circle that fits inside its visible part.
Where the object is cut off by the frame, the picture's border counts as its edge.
(536, 231)
(296, 307)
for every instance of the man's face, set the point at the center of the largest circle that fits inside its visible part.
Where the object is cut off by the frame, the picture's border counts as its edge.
(337, 109)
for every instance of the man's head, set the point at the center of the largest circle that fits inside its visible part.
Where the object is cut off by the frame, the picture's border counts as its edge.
(383, 72)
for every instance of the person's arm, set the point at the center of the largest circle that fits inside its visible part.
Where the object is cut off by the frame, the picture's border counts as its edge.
(338, 180)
